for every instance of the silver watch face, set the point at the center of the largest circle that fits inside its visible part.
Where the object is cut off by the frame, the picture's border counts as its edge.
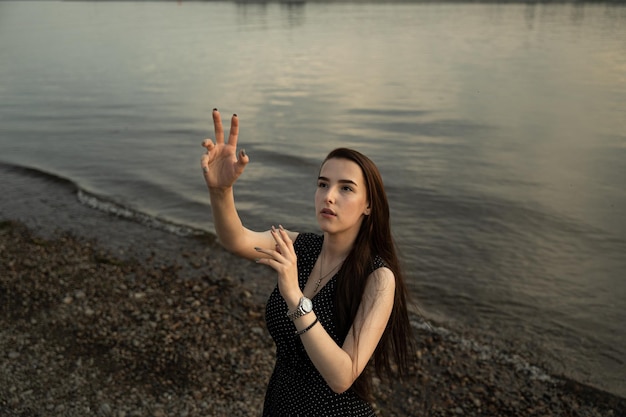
(307, 305)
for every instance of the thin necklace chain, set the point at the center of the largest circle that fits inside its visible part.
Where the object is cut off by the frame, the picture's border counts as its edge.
(322, 275)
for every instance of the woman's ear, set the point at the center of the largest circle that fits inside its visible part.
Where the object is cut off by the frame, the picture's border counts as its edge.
(368, 210)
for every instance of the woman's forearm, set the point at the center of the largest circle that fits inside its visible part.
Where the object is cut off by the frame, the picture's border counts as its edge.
(228, 225)
(333, 363)
(341, 365)
(231, 232)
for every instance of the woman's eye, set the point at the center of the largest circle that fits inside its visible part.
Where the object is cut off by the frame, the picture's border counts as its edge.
(322, 185)
(346, 188)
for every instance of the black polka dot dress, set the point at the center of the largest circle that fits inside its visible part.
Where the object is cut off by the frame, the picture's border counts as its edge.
(296, 388)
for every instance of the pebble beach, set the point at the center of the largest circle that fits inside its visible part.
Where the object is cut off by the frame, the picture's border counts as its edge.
(105, 316)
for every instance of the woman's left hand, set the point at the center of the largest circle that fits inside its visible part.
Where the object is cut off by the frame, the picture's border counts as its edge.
(285, 262)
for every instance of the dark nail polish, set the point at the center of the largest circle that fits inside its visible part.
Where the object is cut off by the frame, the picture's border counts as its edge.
(215, 109)
(234, 114)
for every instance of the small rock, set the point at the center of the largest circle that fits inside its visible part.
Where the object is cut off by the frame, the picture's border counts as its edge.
(105, 409)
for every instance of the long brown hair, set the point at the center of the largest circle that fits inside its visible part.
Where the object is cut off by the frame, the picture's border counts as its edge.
(396, 347)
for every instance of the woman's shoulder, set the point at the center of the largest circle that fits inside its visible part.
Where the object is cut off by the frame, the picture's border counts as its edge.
(381, 274)
(377, 262)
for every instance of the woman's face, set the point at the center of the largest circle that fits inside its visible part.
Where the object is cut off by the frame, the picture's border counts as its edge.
(341, 197)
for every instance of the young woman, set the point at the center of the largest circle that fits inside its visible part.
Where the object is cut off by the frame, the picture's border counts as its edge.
(340, 301)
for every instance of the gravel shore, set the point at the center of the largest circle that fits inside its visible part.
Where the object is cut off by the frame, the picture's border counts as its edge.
(102, 316)
(85, 332)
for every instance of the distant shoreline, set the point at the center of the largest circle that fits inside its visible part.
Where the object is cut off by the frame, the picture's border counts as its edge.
(381, 2)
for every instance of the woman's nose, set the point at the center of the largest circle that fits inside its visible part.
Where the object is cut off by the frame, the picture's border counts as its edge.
(330, 195)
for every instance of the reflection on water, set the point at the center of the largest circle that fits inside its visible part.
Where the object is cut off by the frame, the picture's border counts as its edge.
(261, 14)
(499, 130)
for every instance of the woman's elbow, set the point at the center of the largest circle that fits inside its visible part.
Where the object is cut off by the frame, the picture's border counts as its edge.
(343, 376)
(339, 387)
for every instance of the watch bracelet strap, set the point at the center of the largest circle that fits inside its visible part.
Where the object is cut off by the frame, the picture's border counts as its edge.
(295, 314)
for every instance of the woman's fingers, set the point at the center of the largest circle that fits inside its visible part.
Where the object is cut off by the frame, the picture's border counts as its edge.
(208, 144)
(284, 246)
(219, 129)
(282, 251)
(282, 238)
(280, 242)
(204, 163)
(233, 134)
(243, 159)
(273, 258)
(270, 253)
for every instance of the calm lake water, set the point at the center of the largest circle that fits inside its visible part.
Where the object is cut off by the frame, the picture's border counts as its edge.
(500, 130)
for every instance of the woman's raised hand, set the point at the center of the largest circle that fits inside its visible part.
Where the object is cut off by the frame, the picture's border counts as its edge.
(220, 164)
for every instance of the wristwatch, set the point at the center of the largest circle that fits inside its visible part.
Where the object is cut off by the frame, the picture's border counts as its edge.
(305, 306)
